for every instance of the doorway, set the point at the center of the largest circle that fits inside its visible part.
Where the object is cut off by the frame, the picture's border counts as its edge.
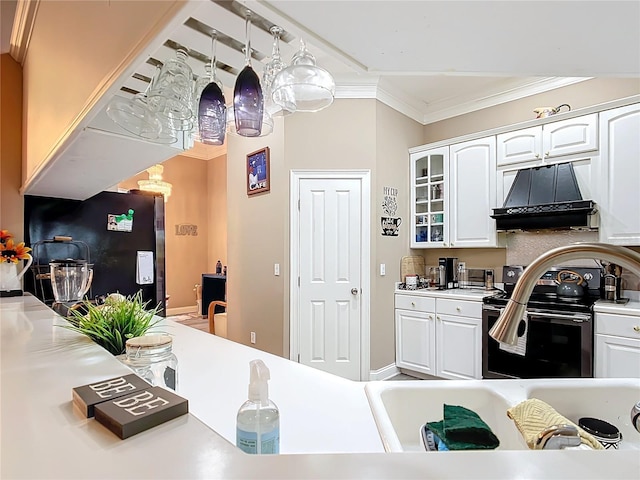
(330, 271)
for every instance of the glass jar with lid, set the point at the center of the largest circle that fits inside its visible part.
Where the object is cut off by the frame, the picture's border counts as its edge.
(151, 357)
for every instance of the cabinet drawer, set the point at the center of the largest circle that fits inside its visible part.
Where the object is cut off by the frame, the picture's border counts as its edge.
(462, 308)
(419, 304)
(619, 325)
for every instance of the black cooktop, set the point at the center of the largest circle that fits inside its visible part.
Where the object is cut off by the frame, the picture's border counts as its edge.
(544, 296)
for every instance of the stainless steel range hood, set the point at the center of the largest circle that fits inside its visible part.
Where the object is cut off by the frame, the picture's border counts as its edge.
(546, 197)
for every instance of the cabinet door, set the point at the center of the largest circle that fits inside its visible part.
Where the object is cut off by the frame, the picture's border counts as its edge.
(458, 347)
(429, 198)
(472, 193)
(415, 341)
(620, 176)
(575, 135)
(617, 357)
(520, 146)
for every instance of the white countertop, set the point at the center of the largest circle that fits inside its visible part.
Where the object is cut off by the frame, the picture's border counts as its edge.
(631, 308)
(474, 294)
(44, 437)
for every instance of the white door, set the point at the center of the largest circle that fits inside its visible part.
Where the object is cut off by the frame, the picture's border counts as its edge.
(329, 300)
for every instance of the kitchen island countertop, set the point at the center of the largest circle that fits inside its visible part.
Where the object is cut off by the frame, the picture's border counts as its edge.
(327, 428)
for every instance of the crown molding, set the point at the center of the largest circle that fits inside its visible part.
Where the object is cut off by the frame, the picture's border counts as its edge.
(459, 105)
(23, 22)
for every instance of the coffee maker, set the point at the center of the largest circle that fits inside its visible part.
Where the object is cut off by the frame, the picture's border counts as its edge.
(450, 266)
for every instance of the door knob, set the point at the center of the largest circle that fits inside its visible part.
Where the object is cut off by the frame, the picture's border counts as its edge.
(354, 291)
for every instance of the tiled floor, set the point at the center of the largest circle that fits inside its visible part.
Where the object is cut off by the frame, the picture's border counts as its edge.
(402, 376)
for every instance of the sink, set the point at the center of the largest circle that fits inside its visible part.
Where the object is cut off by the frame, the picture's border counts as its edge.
(400, 408)
(607, 399)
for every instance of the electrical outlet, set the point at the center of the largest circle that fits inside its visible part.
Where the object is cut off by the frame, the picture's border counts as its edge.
(253, 337)
(383, 269)
(462, 265)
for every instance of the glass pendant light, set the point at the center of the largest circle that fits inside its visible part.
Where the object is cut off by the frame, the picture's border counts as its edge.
(155, 183)
(271, 69)
(212, 111)
(311, 87)
(248, 102)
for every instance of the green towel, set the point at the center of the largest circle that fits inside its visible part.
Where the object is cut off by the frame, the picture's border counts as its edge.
(463, 429)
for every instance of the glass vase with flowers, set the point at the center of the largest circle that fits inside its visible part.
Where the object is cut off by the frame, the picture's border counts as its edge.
(11, 253)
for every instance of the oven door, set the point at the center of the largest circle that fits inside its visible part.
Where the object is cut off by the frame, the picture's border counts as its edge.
(556, 345)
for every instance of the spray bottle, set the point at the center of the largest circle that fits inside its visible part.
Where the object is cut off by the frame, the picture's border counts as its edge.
(258, 420)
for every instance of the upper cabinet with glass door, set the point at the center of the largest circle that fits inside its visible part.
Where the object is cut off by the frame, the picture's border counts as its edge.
(429, 196)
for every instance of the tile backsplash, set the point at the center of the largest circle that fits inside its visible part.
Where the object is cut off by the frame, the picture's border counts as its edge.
(523, 247)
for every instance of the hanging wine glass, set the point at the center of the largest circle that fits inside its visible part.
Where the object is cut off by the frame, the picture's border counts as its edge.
(267, 122)
(212, 111)
(311, 87)
(248, 102)
(286, 104)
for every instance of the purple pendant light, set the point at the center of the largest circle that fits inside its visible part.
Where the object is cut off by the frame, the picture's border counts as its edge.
(248, 102)
(212, 111)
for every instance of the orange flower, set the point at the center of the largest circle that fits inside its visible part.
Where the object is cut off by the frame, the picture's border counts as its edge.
(9, 252)
(5, 235)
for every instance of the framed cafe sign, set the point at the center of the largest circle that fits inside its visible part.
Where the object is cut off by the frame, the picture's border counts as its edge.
(258, 180)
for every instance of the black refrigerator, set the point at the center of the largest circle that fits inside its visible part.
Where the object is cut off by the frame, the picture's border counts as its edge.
(124, 234)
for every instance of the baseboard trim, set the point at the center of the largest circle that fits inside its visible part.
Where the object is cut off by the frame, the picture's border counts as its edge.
(384, 373)
(181, 310)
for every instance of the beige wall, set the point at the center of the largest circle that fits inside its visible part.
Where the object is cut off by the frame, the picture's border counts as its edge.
(11, 202)
(74, 50)
(217, 212)
(395, 133)
(257, 229)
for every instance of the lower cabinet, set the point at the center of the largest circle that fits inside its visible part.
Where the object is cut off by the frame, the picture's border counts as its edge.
(443, 344)
(617, 346)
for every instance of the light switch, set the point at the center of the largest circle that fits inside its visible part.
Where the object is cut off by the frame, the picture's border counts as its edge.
(276, 269)
(383, 269)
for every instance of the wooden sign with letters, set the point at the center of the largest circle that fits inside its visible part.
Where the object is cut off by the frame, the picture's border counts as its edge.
(87, 397)
(127, 416)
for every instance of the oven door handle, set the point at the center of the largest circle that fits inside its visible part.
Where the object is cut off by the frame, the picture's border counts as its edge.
(575, 317)
(533, 313)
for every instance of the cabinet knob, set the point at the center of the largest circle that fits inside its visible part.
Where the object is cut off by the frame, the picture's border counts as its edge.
(637, 328)
(458, 309)
(430, 317)
(546, 154)
(438, 317)
(413, 304)
(537, 155)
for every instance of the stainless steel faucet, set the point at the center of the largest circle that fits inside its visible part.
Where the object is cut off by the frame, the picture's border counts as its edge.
(505, 330)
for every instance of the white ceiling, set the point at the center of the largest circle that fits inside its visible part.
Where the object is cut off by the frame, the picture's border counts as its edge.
(428, 59)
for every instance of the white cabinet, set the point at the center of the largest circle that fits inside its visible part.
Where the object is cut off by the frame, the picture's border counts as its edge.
(556, 139)
(429, 198)
(619, 178)
(472, 193)
(458, 339)
(617, 346)
(415, 333)
(453, 193)
(439, 337)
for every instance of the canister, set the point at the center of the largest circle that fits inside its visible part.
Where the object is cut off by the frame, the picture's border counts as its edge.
(151, 357)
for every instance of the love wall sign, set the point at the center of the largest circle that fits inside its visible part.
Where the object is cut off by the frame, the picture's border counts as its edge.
(187, 229)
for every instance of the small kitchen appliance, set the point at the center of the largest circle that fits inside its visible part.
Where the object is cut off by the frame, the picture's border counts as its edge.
(70, 282)
(450, 265)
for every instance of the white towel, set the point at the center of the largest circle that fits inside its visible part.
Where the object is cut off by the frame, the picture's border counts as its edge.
(519, 348)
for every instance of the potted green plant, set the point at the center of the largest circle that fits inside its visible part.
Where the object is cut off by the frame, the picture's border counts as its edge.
(110, 325)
